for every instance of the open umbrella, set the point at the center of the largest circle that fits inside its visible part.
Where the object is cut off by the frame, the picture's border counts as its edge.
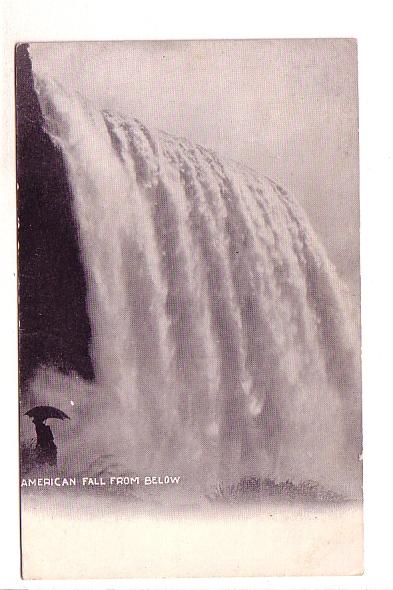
(44, 412)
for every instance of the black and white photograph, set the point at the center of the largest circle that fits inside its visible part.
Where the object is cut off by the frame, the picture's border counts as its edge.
(189, 308)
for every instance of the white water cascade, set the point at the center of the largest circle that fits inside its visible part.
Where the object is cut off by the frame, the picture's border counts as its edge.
(223, 342)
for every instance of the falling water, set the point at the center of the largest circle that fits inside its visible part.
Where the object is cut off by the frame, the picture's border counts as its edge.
(222, 338)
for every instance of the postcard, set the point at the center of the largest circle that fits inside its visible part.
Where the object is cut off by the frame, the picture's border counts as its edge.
(189, 308)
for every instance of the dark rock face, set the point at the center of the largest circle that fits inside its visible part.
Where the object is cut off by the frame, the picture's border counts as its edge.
(54, 325)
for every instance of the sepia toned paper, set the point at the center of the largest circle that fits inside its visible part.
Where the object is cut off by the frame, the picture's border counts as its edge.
(189, 305)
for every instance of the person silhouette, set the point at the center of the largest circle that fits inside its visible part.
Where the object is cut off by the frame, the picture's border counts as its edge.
(45, 447)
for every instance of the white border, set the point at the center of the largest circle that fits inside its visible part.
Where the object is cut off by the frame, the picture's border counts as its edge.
(37, 20)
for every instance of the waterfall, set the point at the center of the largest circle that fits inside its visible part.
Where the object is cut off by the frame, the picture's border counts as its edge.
(222, 339)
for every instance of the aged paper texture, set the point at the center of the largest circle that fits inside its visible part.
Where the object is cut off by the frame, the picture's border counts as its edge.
(189, 304)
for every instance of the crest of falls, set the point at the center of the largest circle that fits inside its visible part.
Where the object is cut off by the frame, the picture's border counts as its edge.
(223, 342)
